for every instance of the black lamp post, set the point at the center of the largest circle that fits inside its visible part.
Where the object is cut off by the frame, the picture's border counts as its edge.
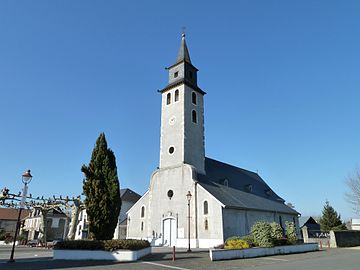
(188, 197)
(26, 178)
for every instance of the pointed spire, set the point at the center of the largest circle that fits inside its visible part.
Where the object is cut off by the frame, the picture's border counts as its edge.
(183, 54)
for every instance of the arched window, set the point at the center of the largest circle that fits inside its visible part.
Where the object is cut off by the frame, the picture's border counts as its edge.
(194, 116)
(176, 95)
(206, 208)
(206, 224)
(193, 98)
(168, 99)
(143, 211)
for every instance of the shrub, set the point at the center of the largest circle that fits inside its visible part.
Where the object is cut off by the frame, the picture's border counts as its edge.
(277, 234)
(291, 233)
(236, 243)
(130, 244)
(108, 245)
(80, 244)
(249, 239)
(261, 232)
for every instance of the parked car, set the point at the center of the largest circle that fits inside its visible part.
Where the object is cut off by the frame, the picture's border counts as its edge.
(33, 243)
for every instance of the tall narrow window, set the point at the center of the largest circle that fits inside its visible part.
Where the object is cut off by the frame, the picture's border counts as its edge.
(206, 208)
(194, 116)
(176, 95)
(168, 99)
(142, 226)
(193, 98)
(143, 211)
(206, 224)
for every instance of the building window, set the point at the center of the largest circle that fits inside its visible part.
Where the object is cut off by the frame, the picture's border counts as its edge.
(176, 74)
(170, 194)
(142, 226)
(206, 224)
(176, 95)
(79, 230)
(193, 98)
(168, 99)
(171, 150)
(194, 116)
(143, 211)
(206, 208)
(249, 188)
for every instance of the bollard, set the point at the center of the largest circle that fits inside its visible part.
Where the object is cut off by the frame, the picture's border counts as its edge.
(173, 255)
(320, 244)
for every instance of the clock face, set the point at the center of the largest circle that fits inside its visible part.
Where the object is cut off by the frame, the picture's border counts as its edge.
(172, 120)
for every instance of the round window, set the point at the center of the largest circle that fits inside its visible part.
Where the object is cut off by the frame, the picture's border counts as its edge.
(170, 193)
(171, 149)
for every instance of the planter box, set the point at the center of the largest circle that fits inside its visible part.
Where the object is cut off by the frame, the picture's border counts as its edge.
(118, 255)
(228, 254)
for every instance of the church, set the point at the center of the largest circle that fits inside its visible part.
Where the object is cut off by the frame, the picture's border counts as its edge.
(194, 200)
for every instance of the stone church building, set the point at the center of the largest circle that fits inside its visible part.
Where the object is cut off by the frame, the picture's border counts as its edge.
(192, 196)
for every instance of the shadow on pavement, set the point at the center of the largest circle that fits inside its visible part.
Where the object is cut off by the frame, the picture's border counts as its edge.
(51, 264)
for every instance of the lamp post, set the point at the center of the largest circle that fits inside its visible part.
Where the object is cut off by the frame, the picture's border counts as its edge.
(26, 178)
(188, 197)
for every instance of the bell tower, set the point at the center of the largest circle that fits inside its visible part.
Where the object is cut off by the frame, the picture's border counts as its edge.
(182, 115)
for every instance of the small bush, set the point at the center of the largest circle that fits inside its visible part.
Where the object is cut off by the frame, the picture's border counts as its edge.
(249, 239)
(108, 245)
(130, 244)
(291, 233)
(80, 244)
(236, 243)
(261, 232)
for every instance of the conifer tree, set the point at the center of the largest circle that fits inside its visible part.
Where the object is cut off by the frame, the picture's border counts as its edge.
(330, 219)
(102, 190)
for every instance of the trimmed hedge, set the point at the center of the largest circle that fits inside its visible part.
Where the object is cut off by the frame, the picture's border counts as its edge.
(108, 245)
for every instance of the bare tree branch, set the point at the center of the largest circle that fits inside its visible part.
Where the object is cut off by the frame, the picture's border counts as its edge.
(352, 196)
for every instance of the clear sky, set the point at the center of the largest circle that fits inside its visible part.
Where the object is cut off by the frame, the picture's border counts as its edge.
(282, 82)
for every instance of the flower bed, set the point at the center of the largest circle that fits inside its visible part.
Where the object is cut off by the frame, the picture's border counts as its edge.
(228, 254)
(115, 250)
(117, 255)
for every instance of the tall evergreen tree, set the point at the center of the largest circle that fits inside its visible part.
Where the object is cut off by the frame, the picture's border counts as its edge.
(330, 219)
(102, 190)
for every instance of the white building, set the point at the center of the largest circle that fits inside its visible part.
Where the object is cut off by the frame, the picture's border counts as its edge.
(355, 224)
(56, 225)
(226, 200)
(128, 199)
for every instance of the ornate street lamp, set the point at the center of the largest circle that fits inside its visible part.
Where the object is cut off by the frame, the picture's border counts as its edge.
(26, 178)
(188, 197)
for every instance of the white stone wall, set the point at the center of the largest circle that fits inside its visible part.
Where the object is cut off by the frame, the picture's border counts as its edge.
(213, 235)
(172, 128)
(178, 130)
(194, 132)
(158, 207)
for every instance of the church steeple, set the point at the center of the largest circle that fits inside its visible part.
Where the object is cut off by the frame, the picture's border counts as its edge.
(183, 71)
(182, 116)
(183, 54)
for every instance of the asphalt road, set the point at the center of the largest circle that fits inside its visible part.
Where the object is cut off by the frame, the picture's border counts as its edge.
(333, 259)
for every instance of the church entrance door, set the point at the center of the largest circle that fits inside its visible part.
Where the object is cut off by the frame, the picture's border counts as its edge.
(169, 234)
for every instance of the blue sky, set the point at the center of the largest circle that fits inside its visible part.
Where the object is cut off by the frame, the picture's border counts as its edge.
(282, 82)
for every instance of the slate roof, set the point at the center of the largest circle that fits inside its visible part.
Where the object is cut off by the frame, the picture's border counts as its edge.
(129, 195)
(183, 54)
(244, 189)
